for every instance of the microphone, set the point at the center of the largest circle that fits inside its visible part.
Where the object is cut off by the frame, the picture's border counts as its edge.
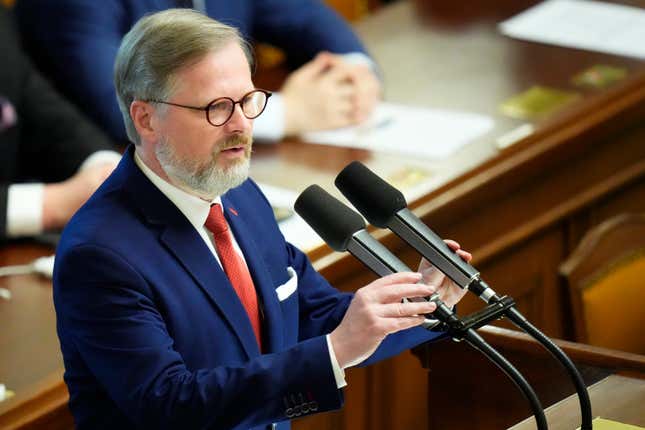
(384, 206)
(344, 230)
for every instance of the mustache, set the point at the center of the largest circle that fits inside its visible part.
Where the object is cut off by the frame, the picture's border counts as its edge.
(236, 141)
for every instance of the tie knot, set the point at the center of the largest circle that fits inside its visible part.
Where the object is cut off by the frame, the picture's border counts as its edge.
(216, 222)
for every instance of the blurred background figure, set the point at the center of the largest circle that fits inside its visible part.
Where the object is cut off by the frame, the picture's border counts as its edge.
(333, 85)
(42, 138)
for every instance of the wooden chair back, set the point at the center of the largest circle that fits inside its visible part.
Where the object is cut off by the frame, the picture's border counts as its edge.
(605, 277)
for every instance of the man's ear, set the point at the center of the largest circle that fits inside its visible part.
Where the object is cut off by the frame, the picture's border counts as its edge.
(141, 113)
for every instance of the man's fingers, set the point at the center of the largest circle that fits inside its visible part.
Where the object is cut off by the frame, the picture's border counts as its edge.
(407, 309)
(398, 278)
(397, 292)
(337, 74)
(452, 244)
(398, 324)
(465, 255)
(318, 65)
(457, 248)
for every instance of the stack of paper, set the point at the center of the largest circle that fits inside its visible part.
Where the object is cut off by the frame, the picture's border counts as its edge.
(584, 24)
(417, 132)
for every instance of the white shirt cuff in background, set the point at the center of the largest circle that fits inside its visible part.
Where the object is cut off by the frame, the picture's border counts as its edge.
(339, 373)
(358, 58)
(270, 125)
(100, 157)
(25, 209)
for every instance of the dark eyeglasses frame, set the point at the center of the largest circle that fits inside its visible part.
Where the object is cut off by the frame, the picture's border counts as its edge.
(206, 108)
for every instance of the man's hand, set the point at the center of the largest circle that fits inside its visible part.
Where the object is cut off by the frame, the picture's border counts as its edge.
(62, 199)
(367, 91)
(376, 311)
(449, 292)
(328, 93)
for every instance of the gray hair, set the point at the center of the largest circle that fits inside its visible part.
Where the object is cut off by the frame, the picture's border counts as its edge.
(154, 50)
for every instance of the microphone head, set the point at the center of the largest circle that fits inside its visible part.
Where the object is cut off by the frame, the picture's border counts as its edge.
(377, 200)
(331, 219)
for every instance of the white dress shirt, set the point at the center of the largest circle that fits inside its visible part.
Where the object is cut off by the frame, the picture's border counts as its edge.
(196, 210)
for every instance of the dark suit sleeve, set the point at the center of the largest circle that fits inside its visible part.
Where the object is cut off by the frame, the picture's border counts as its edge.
(108, 314)
(56, 137)
(51, 138)
(303, 28)
(76, 43)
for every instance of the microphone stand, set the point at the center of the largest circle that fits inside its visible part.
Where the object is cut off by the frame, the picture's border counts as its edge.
(382, 262)
(583, 395)
(464, 329)
(505, 306)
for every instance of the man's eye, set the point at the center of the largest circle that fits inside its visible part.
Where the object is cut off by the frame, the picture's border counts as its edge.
(220, 107)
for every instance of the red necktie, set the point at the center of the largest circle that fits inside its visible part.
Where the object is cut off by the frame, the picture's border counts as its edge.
(235, 267)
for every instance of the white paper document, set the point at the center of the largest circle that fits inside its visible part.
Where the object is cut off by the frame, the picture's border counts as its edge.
(293, 227)
(418, 132)
(583, 24)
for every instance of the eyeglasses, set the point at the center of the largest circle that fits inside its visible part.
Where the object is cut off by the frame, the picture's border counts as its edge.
(220, 110)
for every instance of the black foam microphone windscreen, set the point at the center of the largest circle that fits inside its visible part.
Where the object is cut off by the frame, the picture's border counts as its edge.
(332, 220)
(359, 184)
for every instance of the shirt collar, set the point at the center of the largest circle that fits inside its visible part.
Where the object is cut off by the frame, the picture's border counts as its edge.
(196, 210)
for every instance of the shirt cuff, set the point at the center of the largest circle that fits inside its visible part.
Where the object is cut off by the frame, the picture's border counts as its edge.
(101, 157)
(25, 209)
(358, 58)
(339, 373)
(270, 125)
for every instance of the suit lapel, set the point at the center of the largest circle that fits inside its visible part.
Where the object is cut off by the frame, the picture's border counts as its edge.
(187, 246)
(272, 323)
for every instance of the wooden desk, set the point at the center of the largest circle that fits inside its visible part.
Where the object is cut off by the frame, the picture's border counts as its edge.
(468, 391)
(31, 364)
(520, 210)
(617, 398)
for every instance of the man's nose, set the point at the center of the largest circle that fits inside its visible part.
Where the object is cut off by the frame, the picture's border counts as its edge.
(238, 122)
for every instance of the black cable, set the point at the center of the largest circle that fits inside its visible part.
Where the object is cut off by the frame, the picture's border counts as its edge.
(476, 341)
(583, 395)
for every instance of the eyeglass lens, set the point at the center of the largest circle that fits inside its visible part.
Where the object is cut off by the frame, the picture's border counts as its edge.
(252, 106)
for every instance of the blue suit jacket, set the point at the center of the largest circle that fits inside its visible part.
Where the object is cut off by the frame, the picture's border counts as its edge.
(153, 334)
(75, 41)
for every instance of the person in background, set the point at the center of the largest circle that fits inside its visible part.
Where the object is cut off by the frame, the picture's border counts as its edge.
(42, 138)
(179, 303)
(335, 85)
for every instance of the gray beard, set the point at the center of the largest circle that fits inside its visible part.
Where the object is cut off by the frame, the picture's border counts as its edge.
(203, 179)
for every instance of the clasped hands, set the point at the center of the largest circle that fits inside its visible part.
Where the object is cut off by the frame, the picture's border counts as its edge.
(329, 92)
(377, 309)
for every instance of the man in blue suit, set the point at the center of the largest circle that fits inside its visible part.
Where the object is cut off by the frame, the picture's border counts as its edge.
(75, 43)
(179, 303)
